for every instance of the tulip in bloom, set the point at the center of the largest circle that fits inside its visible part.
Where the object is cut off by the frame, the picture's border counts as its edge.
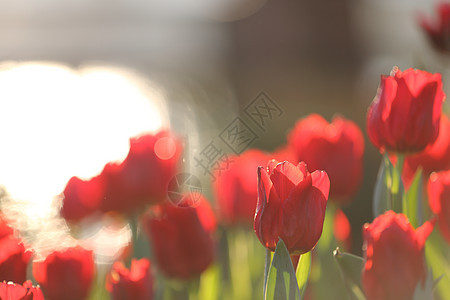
(439, 199)
(13, 259)
(66, 275)
(181, 238)
(435, 157)
(336, 147)
(438, 31)
(395, 261)
(235, 187)
(12, 291)
(405, 114)
(291, 206)
(136, 283)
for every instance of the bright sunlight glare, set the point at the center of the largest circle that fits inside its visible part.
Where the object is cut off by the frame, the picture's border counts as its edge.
(57, 122)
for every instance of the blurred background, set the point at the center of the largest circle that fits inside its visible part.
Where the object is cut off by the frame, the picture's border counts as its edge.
(199, 63)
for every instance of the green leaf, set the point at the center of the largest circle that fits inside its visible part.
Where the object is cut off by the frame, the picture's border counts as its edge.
(413, 201)
(326, 241)
(381, 192)
(282, 282)
(210, 283)
(351, 267)
(303, 270)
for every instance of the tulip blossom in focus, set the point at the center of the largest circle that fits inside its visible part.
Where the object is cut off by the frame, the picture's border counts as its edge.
(336, 147)
(435, 157)
(291, 206)
(438, 30)
(405, 114)
(181, 238)
(12, 291)
(142, 178)
(235, 188)
(395, 260)
(439, 199)
(66, 275)
(135, 283)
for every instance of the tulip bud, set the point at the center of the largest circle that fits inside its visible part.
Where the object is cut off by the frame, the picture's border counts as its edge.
(405, 114)
(12, 291)
(13, 259)
(395, 261)
(291, 206)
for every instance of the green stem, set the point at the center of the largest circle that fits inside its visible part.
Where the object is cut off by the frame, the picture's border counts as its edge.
(266, 270)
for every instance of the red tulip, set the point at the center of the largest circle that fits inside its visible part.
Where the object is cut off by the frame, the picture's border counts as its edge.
(336, 148)
(82, 197)
(291, 206)
(142, 178)
(405, 114)
(439, 199)
(136, 283)
(235, 187)
(66, 275)
(438, 31)
(181, 238)
(13, 260)
(395, 261)
(342, 229)
(435, 157)
(12, 291)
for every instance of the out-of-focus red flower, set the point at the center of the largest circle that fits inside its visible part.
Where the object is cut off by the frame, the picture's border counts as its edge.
(405, 114)
(181, 238)
(337, 148)
(142, 178)
(13, 259)
(435, 157)
(136, 283)
(438, 31)
(395, 261)
(82, 197)
(12, 291)
(439, 199)
(291, 206)
(144, 175)
(342, 229)
(67, 274)
(236, 187)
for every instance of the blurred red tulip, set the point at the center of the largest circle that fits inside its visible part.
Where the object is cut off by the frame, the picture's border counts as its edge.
(395, 261)
(405, 114)
(438, 31)
(236, 187)
(439, 199)
(435, 157)
(66, 275)
(291, 206)
(136, 283)
(142, 178)
(12, 291)
(5, 229)
(337, 148)
(342, 229)
(13, 259)
(181, 238)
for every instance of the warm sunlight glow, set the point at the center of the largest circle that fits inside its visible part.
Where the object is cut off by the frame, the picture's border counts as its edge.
(57, 122)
